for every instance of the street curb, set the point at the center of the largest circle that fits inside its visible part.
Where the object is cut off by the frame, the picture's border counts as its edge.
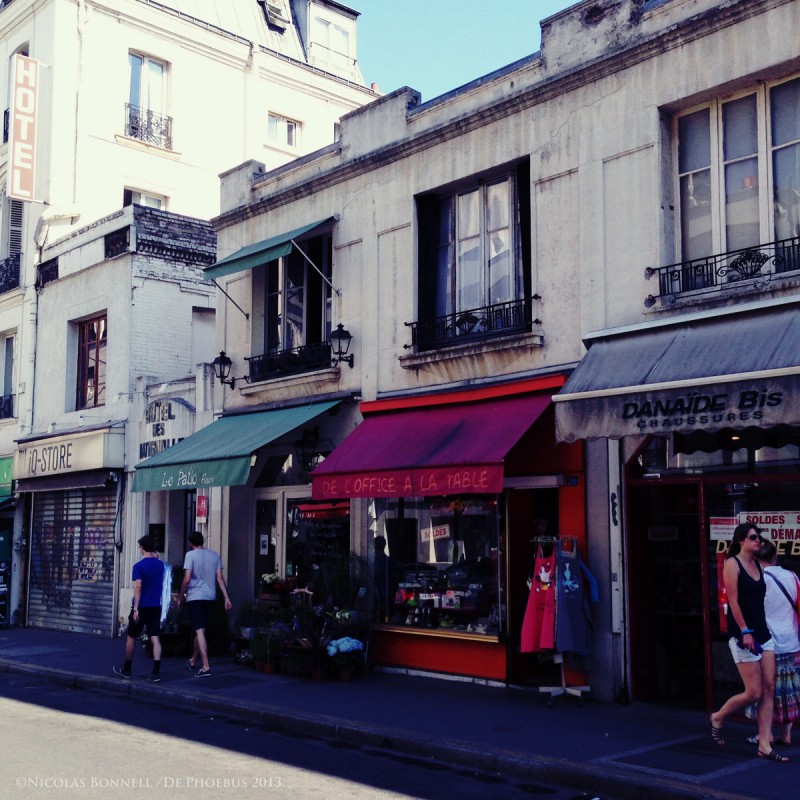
(591, 778)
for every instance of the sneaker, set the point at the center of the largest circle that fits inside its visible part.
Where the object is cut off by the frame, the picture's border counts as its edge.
(203, 673)
(192, 666)
(155, 679)
(122, 672)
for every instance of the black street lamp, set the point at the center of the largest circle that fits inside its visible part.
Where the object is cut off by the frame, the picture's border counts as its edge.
(340, 344)
(222, 369)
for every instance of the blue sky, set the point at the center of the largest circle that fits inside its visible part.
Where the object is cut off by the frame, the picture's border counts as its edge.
(437, 45)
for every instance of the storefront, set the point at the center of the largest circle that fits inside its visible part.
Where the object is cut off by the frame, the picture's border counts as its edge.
(708, 411)
(249, 473)
(7, 510)
(74, 528)
(458, 485)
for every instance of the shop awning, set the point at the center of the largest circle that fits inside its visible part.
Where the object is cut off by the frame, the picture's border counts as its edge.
(262, 252)
(736, 372)
(446, 449)
(222, 453)
(85, 479)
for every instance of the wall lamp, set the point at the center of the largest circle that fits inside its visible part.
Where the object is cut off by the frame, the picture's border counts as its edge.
(222, 369)
(340, 344)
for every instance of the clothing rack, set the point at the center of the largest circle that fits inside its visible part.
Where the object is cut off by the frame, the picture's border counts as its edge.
(569, 544)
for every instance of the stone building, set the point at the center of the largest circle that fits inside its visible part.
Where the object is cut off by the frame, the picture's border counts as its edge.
(618, 213)
(137, 105)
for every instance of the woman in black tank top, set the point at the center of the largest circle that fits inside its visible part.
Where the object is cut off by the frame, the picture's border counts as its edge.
(747, 625)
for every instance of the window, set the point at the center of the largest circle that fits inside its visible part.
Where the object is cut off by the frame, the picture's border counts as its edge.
(132, 196)
(92, 354)
(7, 398)
(146, 117)
(334, 41)
(282, 131)
(474, 255)
(292, 311)
(739, 172)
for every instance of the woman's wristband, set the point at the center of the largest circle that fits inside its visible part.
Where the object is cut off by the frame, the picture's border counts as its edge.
(745, 631)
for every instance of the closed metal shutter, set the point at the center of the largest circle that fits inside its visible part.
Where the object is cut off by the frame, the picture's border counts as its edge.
(72, 564)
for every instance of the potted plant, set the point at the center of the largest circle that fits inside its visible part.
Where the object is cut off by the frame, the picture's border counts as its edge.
(265, 650)
(347, 654)
(270, 589)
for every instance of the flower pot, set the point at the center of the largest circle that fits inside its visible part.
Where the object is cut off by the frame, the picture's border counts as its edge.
(269, 668)
(345, 674)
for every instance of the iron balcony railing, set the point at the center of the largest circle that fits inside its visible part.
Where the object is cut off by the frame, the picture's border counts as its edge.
(290, 362)
(9, 273)
(514, 316)
(7, 406)
(725, 268)
(143, 124)
(6, 118)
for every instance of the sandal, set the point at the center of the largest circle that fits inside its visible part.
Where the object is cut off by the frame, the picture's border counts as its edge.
(773, 755)
(716, 735)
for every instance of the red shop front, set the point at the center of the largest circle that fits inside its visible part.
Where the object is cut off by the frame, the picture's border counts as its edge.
(458, 485)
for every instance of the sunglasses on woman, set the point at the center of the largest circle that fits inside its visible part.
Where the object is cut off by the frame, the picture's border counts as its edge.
(753, 537)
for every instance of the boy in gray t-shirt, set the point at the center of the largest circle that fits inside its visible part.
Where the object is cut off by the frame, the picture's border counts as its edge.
(202, 573)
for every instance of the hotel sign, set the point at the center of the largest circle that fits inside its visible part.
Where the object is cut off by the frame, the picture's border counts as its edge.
(23, 119)
(165, 423)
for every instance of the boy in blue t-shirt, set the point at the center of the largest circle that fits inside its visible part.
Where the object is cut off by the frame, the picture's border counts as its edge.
(148, 580)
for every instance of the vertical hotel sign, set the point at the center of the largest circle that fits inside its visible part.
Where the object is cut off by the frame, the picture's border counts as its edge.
(22, 128)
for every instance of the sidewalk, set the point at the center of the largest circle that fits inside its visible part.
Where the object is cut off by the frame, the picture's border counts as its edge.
(634, 751)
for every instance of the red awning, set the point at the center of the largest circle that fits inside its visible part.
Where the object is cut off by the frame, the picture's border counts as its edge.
(446, 449)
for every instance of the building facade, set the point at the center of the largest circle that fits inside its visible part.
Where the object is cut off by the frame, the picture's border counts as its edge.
(137, 104)
(568, 293)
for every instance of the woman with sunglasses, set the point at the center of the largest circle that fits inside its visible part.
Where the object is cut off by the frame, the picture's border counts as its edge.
(751, 645)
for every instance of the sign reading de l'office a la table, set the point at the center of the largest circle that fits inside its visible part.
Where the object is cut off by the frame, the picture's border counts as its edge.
(23, 119)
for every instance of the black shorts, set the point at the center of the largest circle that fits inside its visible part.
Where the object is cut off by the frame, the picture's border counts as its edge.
(199, 612)
(149, 619)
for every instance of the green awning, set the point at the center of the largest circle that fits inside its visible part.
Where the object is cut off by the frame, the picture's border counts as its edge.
(261, 252)
(222, 453)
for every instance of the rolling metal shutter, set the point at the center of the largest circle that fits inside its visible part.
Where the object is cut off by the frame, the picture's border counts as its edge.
(72, 566)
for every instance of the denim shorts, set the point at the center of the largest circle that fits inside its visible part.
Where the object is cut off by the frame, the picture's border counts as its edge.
(741, 655)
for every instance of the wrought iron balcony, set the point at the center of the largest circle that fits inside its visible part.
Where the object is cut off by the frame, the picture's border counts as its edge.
(6, 118)
(473, 324)
(7, 406)
(290, 362)
(725, 268)
(9, 273)
(143, 124)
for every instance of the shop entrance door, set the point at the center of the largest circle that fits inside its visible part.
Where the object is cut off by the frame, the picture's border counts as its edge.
(667, 587)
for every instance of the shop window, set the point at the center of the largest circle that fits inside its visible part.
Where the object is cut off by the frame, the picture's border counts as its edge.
(318, 556)
(292, 311)
(738, 173)
(435, 563)
(145, 112)
(92, 354)
(474, 259)
(283, 132)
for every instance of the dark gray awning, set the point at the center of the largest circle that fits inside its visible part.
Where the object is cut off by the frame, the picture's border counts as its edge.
(253, 255)
(738, 372)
